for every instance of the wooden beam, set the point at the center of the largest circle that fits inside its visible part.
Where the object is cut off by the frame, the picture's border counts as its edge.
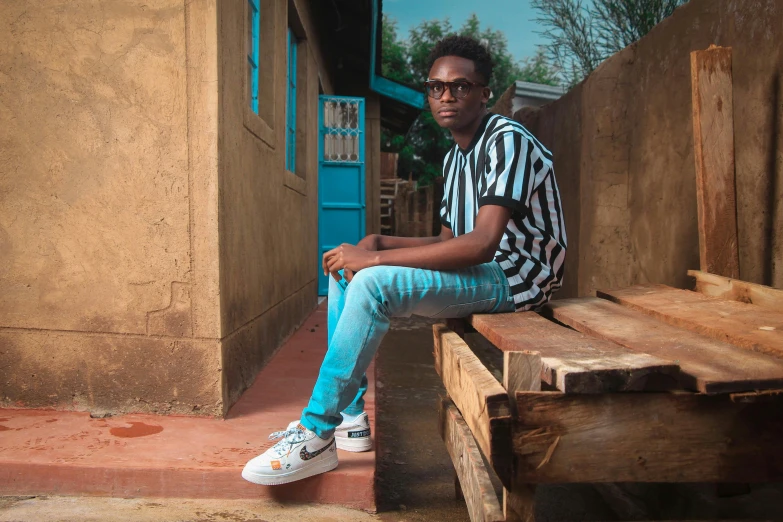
(481, 400)
(646, 437)
(740, 324)
(713, 143)
(573, 362)
(735, 290)
(521, 372)
(477, 489)
(706, 365)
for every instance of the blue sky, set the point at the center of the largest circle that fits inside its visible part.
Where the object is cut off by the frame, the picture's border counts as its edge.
(513, 17)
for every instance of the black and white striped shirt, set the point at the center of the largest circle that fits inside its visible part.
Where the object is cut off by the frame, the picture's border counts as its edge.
(506, 165)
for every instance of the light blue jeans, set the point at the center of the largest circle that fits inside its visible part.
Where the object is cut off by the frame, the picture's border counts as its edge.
(358, 318)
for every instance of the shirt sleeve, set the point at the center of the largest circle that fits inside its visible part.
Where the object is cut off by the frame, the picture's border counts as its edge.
(445, 218)
(444, 210)
(508, 182)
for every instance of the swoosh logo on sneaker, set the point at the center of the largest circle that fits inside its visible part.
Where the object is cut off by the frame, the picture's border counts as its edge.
(306, 455)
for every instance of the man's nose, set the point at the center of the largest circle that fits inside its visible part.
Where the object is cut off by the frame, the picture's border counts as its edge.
(447, 97)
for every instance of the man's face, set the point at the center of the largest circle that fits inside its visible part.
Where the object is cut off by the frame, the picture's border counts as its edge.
(451, 112)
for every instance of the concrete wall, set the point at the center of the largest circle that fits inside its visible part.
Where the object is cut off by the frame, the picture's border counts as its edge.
(268, 216)
(623, 145)
(107, 176)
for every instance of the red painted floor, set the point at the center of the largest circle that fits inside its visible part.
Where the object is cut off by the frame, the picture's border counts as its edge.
(69, 453)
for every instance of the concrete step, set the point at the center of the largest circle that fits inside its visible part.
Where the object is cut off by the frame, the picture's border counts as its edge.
(69, 453)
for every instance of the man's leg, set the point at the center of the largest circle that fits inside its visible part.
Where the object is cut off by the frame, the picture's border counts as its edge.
(371, 299)
(335, 306)
(308, 446)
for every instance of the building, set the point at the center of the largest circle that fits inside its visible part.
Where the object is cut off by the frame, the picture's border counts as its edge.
(526, 94)
(159, 190)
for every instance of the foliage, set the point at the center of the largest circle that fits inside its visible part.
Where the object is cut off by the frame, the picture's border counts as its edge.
(422, 149)
(582, 35)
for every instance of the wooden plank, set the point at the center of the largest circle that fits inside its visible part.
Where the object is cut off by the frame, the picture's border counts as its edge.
(706, 365)
(477, 489)
(574, 362)
(481, 399)
(646, 437)
(741, 324)
(521, 372)
(735, 290)
(713, 144)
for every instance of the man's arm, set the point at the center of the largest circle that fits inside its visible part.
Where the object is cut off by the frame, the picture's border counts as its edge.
(470, 249)
(379, 242)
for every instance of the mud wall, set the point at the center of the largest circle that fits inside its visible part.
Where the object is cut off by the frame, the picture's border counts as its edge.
(623, 145)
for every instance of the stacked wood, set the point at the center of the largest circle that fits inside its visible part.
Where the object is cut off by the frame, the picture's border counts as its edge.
(649, 437)
(724, 342)
(481, 399)
(575, 363)
(740, 324)
(413, 209)
(389, 165)
(389, 189)
(706, 365)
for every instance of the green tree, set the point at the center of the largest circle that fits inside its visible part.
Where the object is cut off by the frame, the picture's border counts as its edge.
(582, 35)
(421, 150)
(538, 70)
(394, 63)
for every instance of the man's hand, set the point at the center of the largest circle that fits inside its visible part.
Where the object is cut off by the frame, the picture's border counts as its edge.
(370, 242)
(348, 258)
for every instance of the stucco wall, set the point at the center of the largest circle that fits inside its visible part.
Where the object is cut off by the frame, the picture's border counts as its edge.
(108, 242)
(154, 251)
(624, 139)
(268, 216)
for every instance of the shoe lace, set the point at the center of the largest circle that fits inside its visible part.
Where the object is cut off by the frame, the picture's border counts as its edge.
(290, 437)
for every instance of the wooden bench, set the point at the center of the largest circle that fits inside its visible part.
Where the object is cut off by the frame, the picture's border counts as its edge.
(711, 370)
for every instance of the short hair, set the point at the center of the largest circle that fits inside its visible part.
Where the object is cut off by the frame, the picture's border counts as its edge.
(464, 47)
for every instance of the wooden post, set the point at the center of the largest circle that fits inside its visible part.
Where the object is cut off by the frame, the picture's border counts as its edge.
(713, 142)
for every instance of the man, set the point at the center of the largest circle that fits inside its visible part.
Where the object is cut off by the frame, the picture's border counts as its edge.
(501, 248)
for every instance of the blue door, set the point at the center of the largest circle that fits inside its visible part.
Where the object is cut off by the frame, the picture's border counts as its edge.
(341, 211)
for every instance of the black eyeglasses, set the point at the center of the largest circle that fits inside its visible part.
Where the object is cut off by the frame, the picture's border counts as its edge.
(459, 89)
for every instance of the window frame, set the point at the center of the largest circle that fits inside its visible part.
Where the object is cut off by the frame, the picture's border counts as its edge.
(255, 49)
(259, 118)
(292, 44)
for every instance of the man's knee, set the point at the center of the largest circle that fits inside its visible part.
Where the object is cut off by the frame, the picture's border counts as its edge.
(373, 279)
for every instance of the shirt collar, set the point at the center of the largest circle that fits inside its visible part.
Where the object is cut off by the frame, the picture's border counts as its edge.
(476, 137)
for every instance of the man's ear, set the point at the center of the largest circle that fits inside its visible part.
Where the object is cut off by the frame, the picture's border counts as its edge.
(486, 94)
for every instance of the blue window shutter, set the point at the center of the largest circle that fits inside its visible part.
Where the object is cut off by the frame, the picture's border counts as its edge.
(290, 142)
(254, 26)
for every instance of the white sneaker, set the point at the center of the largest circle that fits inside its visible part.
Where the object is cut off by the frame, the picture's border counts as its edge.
(299, 455)
(354, 433)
